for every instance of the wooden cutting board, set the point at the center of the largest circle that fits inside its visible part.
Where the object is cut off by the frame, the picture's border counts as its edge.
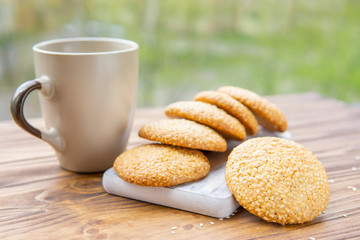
(208, 196)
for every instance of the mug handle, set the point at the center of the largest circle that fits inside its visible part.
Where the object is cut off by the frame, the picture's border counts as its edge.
(45, 86)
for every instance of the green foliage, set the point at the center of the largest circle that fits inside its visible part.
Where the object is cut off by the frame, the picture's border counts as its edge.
(271, 47)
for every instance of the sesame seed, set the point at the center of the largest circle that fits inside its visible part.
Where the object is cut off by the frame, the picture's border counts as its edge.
(174, 131)
(248, 168)
(354, 189)
(349, 187)
(312, 238)
(161, 165)
(209, 115)
(331, 180)
(174, 228)
(353, 168)
(227, 217)
(173, 232)
(345, 216)
(221, 219)
(212, 223)
(357, 157)
(201, 224)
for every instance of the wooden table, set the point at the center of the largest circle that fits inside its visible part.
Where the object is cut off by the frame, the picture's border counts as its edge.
(39, 200)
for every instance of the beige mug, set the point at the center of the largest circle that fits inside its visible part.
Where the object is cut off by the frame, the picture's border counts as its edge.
(88, 97)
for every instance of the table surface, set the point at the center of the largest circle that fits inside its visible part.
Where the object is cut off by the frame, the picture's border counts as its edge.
(39, 200)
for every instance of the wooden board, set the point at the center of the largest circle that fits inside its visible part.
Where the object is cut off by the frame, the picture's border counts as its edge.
(39, 200)
(208, 196)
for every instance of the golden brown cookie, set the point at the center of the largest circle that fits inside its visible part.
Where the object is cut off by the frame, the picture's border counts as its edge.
(184, 133)
(209, 115)
(159, 165)
(231, 106)
(278, 180)
(268, 115)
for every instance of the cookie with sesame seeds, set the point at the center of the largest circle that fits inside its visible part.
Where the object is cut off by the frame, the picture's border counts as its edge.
(159, 165)
(268, 115)
(184, 133)
(209, 115)
(277, 180)
(231, 106)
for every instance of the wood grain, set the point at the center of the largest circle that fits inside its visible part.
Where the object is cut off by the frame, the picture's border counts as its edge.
(39, 200)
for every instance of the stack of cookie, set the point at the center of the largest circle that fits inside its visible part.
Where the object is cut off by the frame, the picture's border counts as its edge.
(213, 116)
(202, 124)
(275, 179)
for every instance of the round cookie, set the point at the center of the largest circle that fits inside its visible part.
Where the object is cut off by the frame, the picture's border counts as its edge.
(209, 115)
(268, 115)
(184, 133)
(159, 165)
(231, 106)
(278, 180)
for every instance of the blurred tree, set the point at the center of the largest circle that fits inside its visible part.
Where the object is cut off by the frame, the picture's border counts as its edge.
(186, 46)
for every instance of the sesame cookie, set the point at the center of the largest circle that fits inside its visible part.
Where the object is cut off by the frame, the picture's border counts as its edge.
(184, 133)
(209, 115)
(231, 106)
(278, 180)
(268, 115)
(159, 165)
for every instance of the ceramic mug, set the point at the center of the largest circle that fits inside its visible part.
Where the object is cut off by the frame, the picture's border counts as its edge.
(87, 95)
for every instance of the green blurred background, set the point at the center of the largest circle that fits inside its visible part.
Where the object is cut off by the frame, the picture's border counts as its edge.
(270, 47)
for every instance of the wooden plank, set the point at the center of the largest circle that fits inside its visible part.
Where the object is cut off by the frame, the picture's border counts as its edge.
(39, 200)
